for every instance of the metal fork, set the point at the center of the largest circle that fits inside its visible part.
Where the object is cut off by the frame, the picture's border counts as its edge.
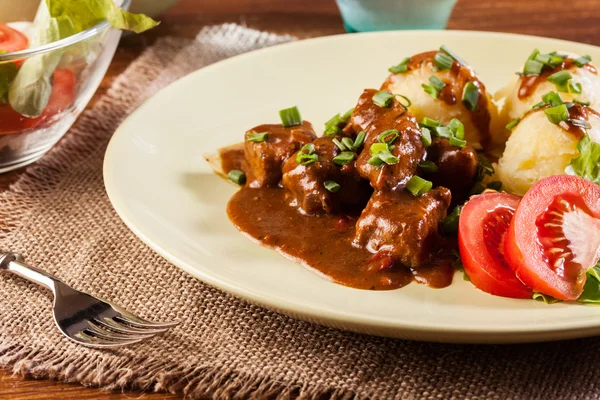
(83, 318)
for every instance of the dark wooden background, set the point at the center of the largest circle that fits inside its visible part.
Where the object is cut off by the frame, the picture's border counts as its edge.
(577, 20)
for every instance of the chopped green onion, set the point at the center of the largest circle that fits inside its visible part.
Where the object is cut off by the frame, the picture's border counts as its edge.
(383, 98)
(428, 166)
(575, 87)
(555, 61)
(345, 157)
(257, 137)
(360, 139)
(539, 105)
(583, 103)
(452, 54)
(436, 82)
(581, 61)
(332, 130)
(557, 114)
(495, 185)
(388, 157)
(450, 223)
(349, 143)
(430, 90)
(306, 155)
(347, 114)
(512, 124)
(533, 67)
(407, 103)
(418, 186)
(237, 176)
(560, 79)
(552, 98)
(430, 123)
(426, 136)
(388, 136)
(443, 131)
(376, 161)
(290, 116)
(332, 126)
(340, 145)
(454, 141)
(378, 147)
(436, 87)
(470, 96)
(533, 54)
(442, 61)
(400, 68)
(457, 128)
(331, 186)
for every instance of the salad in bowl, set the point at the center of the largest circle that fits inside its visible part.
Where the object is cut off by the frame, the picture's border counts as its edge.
(50, 68)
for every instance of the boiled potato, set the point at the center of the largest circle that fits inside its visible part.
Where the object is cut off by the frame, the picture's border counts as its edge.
(448, 105)
(537, 148)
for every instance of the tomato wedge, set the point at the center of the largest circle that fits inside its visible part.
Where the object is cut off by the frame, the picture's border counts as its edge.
(11, 39)
(483, 223)
(62, 96)
(554, 237)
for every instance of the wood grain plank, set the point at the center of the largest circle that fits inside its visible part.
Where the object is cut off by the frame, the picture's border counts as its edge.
(575, 20)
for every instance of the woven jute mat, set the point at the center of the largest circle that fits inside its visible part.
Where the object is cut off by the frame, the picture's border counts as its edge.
(59, 217)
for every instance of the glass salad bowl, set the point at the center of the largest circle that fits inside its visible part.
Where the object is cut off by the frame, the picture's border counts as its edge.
(56, 82)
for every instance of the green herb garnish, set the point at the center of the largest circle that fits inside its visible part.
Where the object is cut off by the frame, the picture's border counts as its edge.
(237, 176)
(290, 117)
(400, 68)
(418, 186)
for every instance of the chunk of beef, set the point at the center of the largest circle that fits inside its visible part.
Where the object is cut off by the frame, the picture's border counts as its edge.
(408, 147)
(264, 160)
(403, 225)
(306, 183)
(457, 168)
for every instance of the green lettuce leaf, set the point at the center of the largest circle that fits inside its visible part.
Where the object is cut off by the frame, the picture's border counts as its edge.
(8, 72)
(30, 89)
(587, 164)
(545, 298)
(591, 290)
(88, 13)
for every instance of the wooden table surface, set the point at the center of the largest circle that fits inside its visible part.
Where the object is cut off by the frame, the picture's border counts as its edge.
(573, 20)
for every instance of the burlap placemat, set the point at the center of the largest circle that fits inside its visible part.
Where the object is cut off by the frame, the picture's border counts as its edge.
(59, 217)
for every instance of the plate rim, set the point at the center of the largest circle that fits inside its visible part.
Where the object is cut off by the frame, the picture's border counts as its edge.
(349, 321)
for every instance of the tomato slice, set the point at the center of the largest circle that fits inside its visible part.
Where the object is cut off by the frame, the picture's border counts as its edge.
(62, 96)
(483, 223)
(11, 39)
(554, 237)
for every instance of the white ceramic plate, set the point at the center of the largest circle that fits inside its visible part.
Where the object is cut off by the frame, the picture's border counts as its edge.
(160, 185)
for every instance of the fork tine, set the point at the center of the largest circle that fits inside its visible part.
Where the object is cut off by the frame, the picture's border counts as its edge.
(93, 341)
(142, 323)
(119, 327)
(111, 338)
(98, 329)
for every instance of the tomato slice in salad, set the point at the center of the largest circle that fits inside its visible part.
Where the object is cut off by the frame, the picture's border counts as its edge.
(483, 223)
(62, 96)
(554, 237)
(11, 39)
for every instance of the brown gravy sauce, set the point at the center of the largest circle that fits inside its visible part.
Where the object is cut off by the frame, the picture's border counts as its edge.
(530, 82)
(323, 243)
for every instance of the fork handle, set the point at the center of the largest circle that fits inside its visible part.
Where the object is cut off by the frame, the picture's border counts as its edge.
(11, 262)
